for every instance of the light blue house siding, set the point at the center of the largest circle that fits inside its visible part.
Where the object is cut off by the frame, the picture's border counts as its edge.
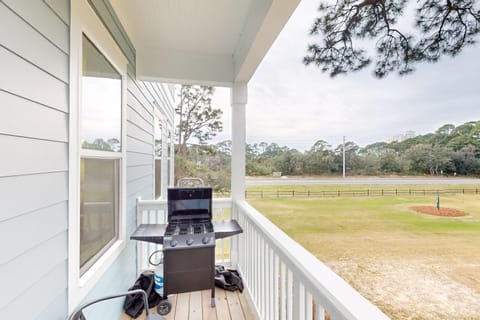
(34, 95)
(34, 53)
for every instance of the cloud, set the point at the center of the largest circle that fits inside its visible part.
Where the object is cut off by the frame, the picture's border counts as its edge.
(358, 105)
(295, 105)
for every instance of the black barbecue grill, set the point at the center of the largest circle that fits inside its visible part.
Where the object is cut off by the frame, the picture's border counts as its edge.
(188, 241)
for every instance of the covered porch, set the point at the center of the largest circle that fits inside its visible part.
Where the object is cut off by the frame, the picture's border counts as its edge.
(196, 306)
(221, 43)
(282, 279)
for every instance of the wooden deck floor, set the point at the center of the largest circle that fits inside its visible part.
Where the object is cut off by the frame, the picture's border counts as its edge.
(196, 306)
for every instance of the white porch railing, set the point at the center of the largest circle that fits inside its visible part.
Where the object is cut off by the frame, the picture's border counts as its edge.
(283, 279)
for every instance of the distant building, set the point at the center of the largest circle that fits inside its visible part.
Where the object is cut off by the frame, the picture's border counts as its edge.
(401, 137)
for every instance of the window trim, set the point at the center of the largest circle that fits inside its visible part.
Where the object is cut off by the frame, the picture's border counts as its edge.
(85, 21)
(157, 118)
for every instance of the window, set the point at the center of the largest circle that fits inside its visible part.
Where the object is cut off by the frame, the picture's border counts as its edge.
(97, 152)
(100, 155)
(158, 157)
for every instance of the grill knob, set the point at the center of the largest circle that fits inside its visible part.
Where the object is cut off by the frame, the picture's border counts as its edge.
(189, 242)
(173, 243)
(205, 240)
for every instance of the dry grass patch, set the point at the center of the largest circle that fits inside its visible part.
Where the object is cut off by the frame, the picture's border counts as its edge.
(412, 266)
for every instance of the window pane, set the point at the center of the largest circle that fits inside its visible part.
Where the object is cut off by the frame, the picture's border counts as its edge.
(158, 137)
(158, 178)
(101, 102)
(99, 207)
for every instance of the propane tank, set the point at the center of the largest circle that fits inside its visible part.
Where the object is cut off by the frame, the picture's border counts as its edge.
(159, 279)
(158, 273)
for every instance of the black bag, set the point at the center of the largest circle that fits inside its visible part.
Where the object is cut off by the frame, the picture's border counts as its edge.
(228, 279)
(133, 304)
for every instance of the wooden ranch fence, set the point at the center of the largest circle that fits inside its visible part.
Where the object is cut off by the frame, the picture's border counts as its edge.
(353, 193)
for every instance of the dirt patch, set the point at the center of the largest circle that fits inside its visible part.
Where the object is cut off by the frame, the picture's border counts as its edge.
(442, 212)
(413, 289)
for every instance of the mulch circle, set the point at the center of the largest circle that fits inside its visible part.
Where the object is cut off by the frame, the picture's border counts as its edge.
(442, 212)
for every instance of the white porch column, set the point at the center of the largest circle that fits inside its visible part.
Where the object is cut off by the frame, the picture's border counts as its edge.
(239, 97)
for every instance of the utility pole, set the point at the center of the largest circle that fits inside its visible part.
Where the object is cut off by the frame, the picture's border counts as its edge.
(344, 156)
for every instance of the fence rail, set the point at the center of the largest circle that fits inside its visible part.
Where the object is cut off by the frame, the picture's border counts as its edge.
(355, 193)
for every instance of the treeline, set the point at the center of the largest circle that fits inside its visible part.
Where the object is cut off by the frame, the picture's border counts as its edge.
(450, 150)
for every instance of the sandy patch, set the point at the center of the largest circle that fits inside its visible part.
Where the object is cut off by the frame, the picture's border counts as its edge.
(413, 289)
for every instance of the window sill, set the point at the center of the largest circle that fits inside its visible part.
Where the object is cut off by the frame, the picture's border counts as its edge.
(93, 275)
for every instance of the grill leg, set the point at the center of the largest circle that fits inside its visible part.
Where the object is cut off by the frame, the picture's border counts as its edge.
(213, 297)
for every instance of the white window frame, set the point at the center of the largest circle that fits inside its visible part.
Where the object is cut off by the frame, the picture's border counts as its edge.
(84, 21)
(159, 117)
(171, 156)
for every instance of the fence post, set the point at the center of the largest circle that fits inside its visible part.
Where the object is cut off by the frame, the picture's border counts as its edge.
(308, 193)
(293, 193)
(261, 194)
(277, 194)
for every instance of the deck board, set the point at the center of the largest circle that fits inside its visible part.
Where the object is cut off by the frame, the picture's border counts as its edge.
(195, 310)
(196, 306)
(236, 312)
(183, 304)
(221, 305)
(208, 313)
(246, 308)
(173, 301)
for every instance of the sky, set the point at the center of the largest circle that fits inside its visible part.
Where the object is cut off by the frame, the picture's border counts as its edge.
(295, 105)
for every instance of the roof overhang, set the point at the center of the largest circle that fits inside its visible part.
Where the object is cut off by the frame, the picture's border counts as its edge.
(214, 42)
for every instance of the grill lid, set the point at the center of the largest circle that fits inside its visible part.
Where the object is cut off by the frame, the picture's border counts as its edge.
(189, 204)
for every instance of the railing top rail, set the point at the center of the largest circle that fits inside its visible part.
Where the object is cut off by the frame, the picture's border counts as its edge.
(337, 296)
(156, 204)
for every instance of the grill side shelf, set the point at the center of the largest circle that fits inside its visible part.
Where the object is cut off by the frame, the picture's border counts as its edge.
(228, 228)
(149, 233)
(154, 232)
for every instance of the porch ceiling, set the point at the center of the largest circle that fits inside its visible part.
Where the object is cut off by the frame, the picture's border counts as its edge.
(215, 42)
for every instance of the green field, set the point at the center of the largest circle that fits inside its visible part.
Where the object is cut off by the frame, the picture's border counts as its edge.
(409, 264)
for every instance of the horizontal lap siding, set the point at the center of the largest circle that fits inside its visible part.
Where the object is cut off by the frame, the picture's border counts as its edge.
(30, 156)
(61, 8)
(20, 117)
(34, 47)
(134, 173)
(138, 159)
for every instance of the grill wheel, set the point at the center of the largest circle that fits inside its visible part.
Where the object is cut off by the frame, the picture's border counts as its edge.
(164, 307)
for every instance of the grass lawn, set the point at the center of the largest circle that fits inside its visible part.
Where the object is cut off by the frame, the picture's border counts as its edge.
(409, 264)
